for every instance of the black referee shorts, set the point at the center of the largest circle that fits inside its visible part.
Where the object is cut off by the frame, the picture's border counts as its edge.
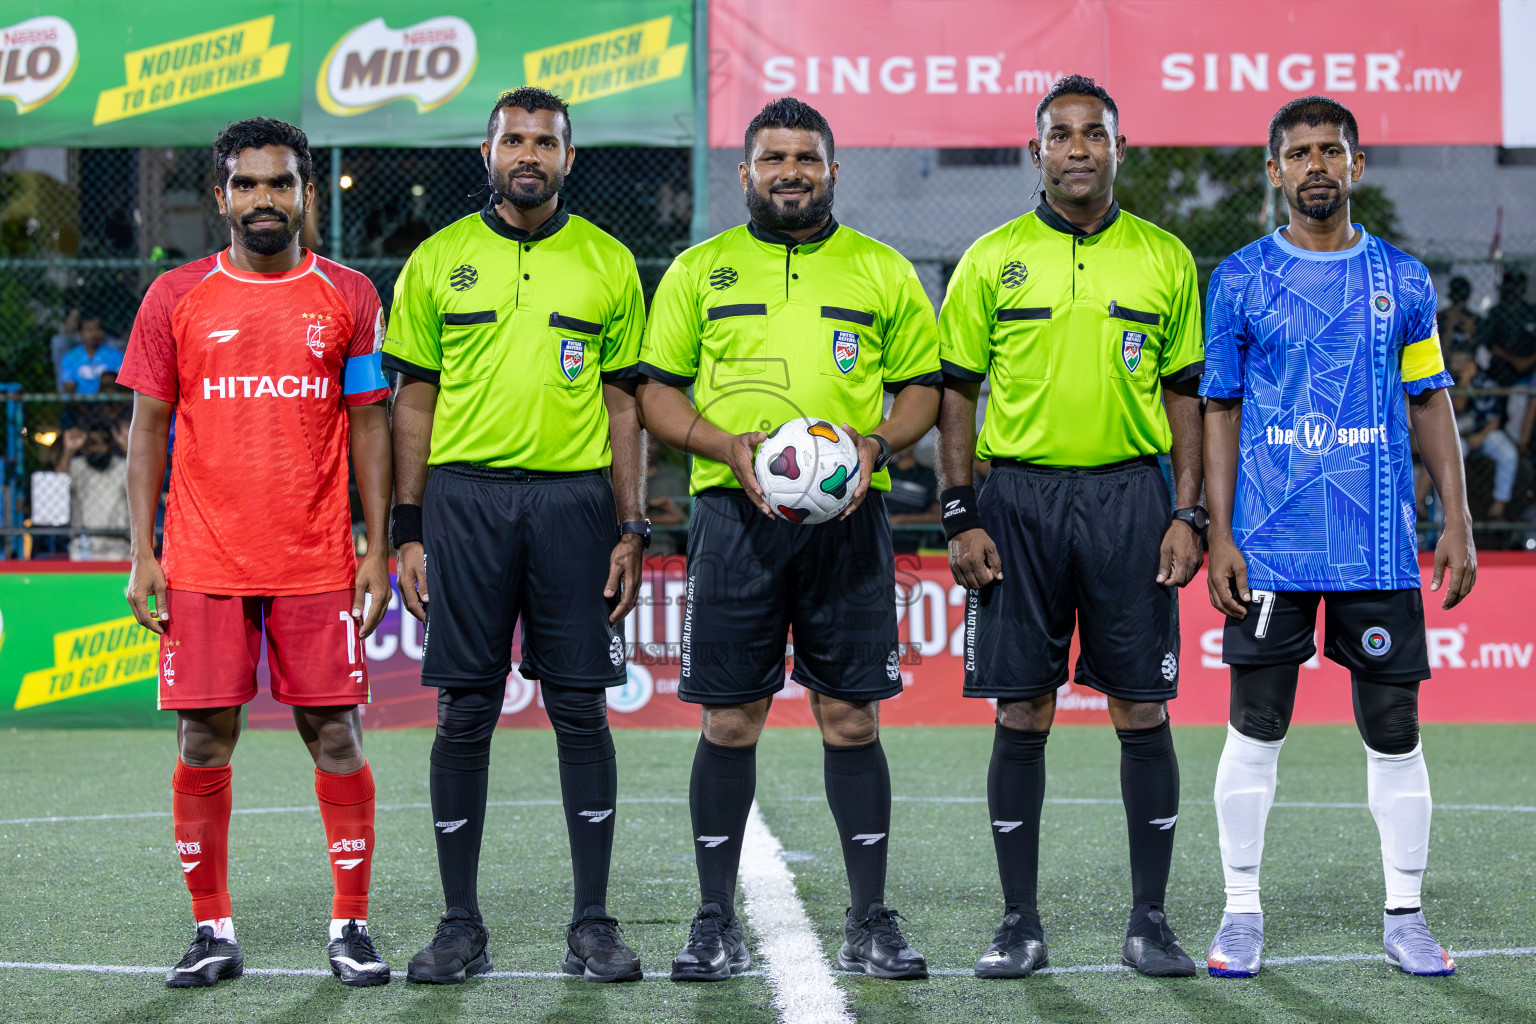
(506, 544)
(1078, 547)
(1377, 634)
(752, 579)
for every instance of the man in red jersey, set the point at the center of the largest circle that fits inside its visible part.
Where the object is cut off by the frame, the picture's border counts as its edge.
(268, 356)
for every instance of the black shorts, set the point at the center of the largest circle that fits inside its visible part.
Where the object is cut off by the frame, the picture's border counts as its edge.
(1377, 634)
(1078, 546)
(752, 579)
(503, 544)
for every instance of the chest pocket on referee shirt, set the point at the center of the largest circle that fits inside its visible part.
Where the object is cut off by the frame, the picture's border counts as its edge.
(1021, 343)
(469, 345)
(735, 346)
(575, 355)
(1133, 342)
(849, 343)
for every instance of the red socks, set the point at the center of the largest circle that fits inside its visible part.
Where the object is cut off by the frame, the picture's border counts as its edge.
(346, 807)
(200, 801)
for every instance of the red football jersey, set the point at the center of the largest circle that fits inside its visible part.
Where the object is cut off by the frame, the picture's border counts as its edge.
(261, 368)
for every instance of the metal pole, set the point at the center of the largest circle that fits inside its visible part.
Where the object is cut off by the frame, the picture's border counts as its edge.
(699, 228)
(336, 203)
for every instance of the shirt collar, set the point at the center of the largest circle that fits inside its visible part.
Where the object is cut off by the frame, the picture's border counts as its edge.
(773, 237)
(543, 231)
(1291, 249)
(225, 266)
(1051, 218)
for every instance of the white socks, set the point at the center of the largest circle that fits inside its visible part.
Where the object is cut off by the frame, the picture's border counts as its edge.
(1398, 791)
(1245, 790)
(338, 923)
(223, 927)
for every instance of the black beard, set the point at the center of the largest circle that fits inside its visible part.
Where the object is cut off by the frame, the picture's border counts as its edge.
(523, 199)
(811, 212)
(269, 241)
(1321, 211)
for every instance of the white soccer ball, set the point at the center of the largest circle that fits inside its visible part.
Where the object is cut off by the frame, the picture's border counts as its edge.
(808, 470)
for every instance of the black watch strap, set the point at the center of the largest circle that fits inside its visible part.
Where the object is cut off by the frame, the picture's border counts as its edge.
(640, 528)
(1195, 516)
(884, 458)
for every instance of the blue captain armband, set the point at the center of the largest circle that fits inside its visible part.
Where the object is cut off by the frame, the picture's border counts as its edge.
(363, 374)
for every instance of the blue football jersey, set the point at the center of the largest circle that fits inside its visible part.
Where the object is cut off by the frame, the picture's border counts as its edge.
(1320, 347)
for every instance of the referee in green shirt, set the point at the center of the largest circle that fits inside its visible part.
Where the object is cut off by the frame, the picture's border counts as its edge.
(515, 333)
(792, 315)
(1087, 319)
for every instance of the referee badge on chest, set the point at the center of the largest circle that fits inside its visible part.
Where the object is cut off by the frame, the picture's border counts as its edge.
(845, 350)
(573, 355)
(1130, 348)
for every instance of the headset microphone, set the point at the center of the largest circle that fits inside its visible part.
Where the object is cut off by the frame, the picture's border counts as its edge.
(1055, 180)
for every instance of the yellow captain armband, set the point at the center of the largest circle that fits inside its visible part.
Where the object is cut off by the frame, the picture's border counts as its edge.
(1422, 359)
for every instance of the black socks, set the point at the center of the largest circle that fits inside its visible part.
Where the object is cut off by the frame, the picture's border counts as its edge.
(589, 786)
(858, 784)
(1149, 785)
(458, 778)
(1015, 792)
(720, 798)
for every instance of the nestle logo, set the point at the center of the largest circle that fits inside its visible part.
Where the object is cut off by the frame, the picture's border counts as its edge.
(31, 37)
(430, 35)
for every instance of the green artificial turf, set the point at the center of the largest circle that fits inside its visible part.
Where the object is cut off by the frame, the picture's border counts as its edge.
(108, 891)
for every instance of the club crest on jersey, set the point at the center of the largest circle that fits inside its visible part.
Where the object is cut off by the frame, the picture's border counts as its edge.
(722, 278)
(314, 340)
(845, 350)
(1376, 641)
(1130, 348)
(1381, 304)
(463, 278)
(573, 355)
(1014, 274)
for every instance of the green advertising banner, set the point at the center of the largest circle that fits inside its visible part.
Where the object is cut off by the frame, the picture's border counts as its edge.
(350, 72)
(71, 656)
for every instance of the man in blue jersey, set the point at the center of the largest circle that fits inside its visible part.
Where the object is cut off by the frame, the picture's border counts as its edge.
(1314, 334)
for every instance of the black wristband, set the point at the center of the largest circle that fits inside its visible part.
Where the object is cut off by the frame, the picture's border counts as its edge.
(884, 458)
(959, 511)
(406, 528)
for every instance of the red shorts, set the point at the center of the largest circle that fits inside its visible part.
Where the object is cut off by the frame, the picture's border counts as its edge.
(212, 644)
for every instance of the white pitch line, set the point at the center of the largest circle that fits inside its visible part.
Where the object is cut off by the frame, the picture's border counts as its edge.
(941, 972)
(295, 972)
(312, 809)
(796, 967)
(1069, 800)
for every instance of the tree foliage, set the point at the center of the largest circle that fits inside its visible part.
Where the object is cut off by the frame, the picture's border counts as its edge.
(1218, 199)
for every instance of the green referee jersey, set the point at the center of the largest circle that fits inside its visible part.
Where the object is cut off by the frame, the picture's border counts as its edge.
(767, 329)
(1079, 333)
(518, 330)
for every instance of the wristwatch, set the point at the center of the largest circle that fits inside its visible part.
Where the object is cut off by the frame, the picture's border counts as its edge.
(1196, 517)
(639, 527)
(884, 458)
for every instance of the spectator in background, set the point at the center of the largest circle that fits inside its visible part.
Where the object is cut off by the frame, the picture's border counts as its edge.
(1480, 421)
(666, 495)
(914, 494)
(1508, 333)
(90, 364)
(94, 454)
(1458, 324)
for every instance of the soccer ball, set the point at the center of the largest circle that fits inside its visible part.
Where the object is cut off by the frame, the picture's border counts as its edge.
(808, 470)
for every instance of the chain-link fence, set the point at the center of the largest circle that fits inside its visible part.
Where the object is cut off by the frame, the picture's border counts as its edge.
(84, 232)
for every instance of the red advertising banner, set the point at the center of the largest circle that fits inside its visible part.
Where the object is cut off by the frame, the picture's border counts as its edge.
(968, 73)
(1481, 654)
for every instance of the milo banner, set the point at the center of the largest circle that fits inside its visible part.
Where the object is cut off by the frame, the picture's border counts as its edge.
(350, 72)
(70, 656)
